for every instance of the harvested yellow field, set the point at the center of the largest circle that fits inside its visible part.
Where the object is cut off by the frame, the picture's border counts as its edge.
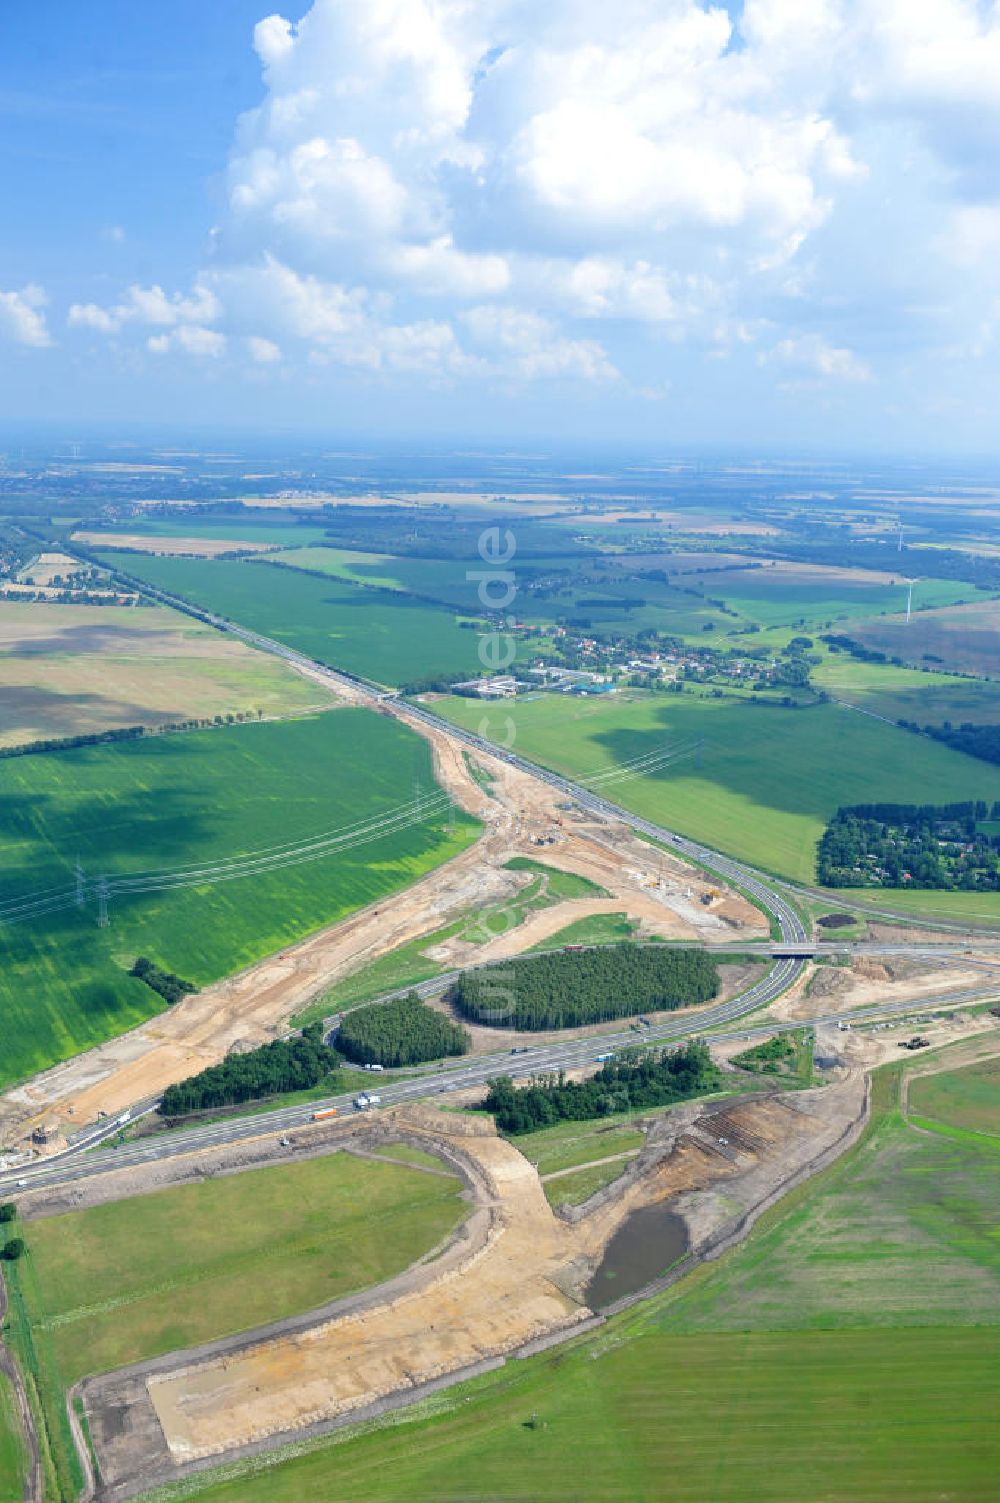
(70, 670)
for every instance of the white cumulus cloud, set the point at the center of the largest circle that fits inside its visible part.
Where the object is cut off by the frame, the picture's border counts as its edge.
(810, 354)
(22, 316)
(475, 188)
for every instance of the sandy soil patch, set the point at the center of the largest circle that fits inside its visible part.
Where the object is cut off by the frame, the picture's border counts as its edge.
(48, 567)
(141, 542)
(868, 981)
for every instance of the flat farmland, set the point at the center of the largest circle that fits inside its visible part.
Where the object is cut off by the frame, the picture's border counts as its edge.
(940, 907)
(901, 1232)
(268, 526)
(378, 634)
(70, 670)
(769, 777)
(603, 591)
(965, 638)
(968, 1098)
(129, 1280)
(189, 800)
(782, 594)
(181, 547)
(701, 1419)
(923, 697)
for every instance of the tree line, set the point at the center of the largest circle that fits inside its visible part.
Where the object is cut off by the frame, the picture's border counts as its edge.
(982, 741)
(286, 1065)
(170, 987)
(402, 1032)
(634, 1081)
(129, 733)
(570, 988)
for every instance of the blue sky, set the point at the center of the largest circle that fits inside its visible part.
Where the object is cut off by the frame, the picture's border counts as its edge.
(770, 223)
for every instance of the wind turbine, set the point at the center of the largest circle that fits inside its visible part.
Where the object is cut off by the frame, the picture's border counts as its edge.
(909, 597)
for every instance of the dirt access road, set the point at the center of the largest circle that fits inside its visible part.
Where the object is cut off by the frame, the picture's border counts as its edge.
(254, 1006)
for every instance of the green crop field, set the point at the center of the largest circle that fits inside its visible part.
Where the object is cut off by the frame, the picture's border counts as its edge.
(845, 1417)
(936, 907)
(122, 1282)
(183, 800)
(924, 698)
(968, 1098)
(13, 1457)
(901, 1232)
(378, 634)
(769, 779)
(784, 595)
(847, 1351)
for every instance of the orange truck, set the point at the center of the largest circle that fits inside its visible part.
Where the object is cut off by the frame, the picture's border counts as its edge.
(328, 1111)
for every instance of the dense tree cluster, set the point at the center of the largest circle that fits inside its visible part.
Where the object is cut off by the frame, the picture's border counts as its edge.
(402, 1032)
(634, 1081)
(170, 987)
(569, 988)
(982, 741)
(286, 1065)
(911, 845)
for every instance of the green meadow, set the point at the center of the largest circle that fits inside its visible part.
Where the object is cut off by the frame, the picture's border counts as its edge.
(191, 799)
(968, 1099)
(899, 1233)
(922, 697)
(13, 1454)
(129, 1280)
(267, 525)
(378, 634)
(847, 1351)
(117, 1283)
(769, 778)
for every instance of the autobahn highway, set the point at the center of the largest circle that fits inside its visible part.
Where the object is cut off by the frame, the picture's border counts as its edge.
(77, 1162)
(570, 1054)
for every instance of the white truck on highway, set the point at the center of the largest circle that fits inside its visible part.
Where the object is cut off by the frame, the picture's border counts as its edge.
(365, 1101)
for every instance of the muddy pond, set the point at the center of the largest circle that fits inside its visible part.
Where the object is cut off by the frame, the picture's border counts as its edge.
(642, 1249)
